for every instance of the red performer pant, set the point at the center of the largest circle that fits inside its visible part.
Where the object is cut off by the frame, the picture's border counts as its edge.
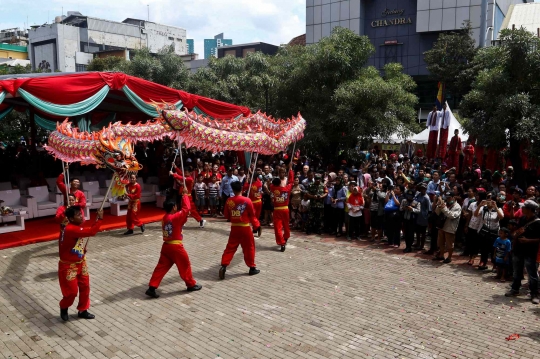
(132, 218)
(257, 206)
(173, 254)
(74, 278)
(467, 162)
(432, 144)
(193, 211)
(443, 143)
(281, 225)
(243, 236)
(453, 160)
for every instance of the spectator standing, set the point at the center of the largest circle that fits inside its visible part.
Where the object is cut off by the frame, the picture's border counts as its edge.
(392, 215)
(422, 217)
(355, 203)
(490, 214)
(448, 206)
(410, 208)
(501, 253)
(525, 251)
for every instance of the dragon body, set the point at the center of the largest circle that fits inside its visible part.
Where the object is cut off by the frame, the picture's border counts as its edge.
(112, 147)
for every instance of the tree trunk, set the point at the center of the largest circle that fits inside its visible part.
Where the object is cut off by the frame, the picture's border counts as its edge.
(515, 157)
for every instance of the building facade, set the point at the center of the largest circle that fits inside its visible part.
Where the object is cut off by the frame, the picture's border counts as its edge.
(402, 30)
(211, 45)
(241, 50)
(190, 46)
(70, 43)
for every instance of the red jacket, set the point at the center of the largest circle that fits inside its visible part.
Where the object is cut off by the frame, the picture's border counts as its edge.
(80, 198)
(256, 192)
(280, 195)
(180, 178)
(133, 191)
(239, 210)
(172, 224)
(71, 234)
(356, 199)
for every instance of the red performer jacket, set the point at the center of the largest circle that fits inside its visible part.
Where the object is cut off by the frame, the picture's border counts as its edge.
(280, 195)
(80, 198)
(71, 234)
(455, 145)
(133, 191)
(180, 178)
(239, 210)
(172, 224)
(60, 216)
(256, 192)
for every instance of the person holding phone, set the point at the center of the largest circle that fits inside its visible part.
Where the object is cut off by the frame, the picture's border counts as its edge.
(491, 216)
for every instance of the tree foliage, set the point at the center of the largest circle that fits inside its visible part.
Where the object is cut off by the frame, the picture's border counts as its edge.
(503, 107)
(450, 57)
(327, 82)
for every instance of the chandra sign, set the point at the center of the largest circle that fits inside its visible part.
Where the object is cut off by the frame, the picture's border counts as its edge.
(394, 21)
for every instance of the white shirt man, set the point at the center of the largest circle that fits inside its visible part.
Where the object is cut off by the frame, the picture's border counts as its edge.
(444, 117)
(434, 120)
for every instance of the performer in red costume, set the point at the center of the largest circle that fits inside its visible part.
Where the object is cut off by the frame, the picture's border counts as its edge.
(454, 150)
(255, 195)
(172, 251)
(72, 270)
(443, 137)
(61, 213)
(468, 151)
(280, 193)
(75, 184)
(433, 124)
(133, 192)
(239, 210)
(179, 177)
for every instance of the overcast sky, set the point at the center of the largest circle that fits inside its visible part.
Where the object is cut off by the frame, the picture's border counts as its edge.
(272, 21)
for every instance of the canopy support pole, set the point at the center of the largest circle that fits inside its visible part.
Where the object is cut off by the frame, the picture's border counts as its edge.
(252, 173)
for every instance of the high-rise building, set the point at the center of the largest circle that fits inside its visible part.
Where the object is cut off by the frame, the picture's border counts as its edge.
(190, 46)
(211, 45)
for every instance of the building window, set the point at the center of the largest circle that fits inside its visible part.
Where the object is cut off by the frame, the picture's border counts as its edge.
(171, 38)
(247, 51)
(178, 39)
(230, 52)
(80, 68)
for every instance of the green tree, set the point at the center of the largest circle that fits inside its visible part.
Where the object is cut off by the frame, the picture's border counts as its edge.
(341, 99)
(110, 63)
(450, 56)
(503, 107)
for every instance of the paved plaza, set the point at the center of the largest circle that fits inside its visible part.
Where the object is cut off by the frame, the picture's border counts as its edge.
(318, 299)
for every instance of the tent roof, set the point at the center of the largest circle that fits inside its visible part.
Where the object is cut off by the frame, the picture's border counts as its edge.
(55, 96)
(422, 137)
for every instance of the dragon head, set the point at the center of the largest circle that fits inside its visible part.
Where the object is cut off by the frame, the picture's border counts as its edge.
(118, 155)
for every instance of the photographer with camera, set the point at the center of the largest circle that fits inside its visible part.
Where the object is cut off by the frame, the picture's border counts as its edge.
(448, 211)
(392, 215)
(491, 216)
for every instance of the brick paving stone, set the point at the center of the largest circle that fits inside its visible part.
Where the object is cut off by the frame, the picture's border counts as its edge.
(321, 298)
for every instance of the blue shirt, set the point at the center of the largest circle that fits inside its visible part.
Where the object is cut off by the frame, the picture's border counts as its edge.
(342, 197)
(502, 247)
(226, 185)
(328, 199)
(432, 187)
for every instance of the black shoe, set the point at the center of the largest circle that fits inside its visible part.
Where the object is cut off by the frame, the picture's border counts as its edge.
(129, 231)
(282, 248)
(194, 288)
(202, 222)
(253, 271)
(259, 231)
(482, 267)
(222, 271)
(447, 260)
(430, 252)
(143, 228)
(511, 293)
(437, 258)
(151, 292)
(64, 314)
(407, 250)
(86, 315)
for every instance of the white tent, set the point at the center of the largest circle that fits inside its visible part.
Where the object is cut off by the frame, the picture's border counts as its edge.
(422, 137)
(400, 136)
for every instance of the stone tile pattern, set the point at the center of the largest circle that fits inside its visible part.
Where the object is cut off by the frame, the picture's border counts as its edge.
(319, 299)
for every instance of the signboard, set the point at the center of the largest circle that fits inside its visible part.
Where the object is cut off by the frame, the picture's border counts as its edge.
(394, 21)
